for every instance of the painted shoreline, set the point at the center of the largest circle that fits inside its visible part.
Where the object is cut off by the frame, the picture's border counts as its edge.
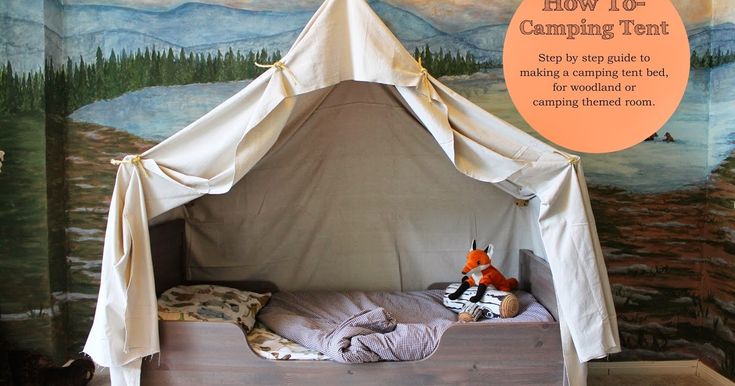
(671, 263)
(90, 179)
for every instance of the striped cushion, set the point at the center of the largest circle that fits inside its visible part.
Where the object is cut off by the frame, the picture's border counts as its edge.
(494, 304)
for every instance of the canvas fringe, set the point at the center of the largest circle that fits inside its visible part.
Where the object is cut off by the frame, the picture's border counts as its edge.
(153, 356)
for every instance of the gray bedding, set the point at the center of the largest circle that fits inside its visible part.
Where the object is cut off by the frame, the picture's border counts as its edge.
(357, 327)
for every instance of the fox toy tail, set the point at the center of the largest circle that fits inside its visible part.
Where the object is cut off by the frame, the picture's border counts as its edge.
(512, 283)
(507, 285)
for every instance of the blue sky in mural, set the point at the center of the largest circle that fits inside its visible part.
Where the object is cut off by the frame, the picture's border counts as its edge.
(451, 15)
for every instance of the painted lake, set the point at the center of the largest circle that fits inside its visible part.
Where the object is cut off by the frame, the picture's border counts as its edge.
(702, 128)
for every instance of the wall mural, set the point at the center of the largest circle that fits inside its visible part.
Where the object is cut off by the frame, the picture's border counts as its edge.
(111, 77)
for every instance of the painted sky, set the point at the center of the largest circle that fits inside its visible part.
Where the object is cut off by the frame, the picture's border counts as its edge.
(448, 15)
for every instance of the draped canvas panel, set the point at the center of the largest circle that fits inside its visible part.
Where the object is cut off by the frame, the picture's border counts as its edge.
(358, 196)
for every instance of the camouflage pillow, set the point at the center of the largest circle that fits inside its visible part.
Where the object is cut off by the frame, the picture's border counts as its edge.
(269, 345)
(211, 303)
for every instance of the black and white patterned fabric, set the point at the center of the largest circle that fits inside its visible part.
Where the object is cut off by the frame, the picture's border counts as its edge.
(472, 309)
(489, 304)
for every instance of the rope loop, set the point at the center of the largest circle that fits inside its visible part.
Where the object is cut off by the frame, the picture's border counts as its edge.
(425, 78)
(571, 159)
(134, 160)
(279, 66)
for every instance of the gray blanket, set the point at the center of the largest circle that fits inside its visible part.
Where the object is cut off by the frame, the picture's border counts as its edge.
(357, 327)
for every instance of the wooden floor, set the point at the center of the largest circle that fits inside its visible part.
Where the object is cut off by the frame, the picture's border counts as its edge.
(646, 380)
(102, 378)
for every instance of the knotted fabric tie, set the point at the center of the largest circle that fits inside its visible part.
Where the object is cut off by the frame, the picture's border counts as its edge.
(572, 159)
(134, 160)
(279, 66)
(425, 78)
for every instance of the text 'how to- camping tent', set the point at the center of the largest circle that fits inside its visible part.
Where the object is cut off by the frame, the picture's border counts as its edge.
(337, 169)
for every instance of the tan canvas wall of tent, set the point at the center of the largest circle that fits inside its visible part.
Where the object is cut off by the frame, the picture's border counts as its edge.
(347, 166)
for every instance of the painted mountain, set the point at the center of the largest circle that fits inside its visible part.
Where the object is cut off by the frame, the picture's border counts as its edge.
(78, 30)
(720, 37)
(198, 27)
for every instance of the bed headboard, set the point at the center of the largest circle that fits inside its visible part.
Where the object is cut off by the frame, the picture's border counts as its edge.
(169, 261)
(535, 277)
(167, 251)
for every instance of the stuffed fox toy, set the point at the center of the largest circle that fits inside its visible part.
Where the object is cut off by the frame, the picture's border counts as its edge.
(479, 272)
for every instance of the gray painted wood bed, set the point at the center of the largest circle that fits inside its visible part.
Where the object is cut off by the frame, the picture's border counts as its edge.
(203, 353)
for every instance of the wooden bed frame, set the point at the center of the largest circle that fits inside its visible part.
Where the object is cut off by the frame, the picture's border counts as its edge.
(203, 353)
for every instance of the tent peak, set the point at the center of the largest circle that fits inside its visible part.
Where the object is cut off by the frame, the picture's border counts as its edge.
(357, 45)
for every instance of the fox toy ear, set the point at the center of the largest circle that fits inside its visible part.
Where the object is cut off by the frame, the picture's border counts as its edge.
(486, 248)
(474, 245)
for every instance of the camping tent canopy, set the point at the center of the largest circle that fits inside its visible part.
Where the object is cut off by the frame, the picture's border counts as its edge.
(334, 165)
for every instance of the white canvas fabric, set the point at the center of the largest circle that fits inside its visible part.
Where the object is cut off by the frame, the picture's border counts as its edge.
(342, 48)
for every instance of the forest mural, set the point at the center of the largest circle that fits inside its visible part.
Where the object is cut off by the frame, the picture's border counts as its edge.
(84, 81)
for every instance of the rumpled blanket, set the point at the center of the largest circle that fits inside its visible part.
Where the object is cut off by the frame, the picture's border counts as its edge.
(358, 327)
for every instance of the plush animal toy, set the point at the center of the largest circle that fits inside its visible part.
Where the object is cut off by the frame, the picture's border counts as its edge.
(479, 272)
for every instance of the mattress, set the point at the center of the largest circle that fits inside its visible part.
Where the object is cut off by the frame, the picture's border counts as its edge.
(529, 310)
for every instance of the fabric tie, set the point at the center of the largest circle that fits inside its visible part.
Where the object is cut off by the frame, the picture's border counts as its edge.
(279, 66)
(134, 160)
(425, 78)
(572, 159)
